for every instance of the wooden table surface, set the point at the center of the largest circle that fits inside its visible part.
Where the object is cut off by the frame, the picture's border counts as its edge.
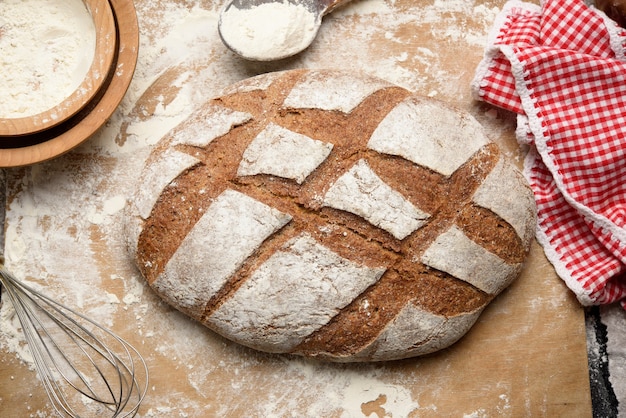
(526, 356)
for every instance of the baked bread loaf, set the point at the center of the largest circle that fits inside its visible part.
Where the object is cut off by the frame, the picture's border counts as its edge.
(330, 215)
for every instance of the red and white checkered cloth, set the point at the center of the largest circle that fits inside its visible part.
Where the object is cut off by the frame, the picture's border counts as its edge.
(561, 67)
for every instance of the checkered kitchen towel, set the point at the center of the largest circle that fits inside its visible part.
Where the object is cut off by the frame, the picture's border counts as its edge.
(561, 67)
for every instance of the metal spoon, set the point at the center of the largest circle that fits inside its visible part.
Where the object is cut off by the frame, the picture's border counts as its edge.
(268, 30)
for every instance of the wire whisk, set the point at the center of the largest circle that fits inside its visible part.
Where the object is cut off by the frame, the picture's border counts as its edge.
(84, 367)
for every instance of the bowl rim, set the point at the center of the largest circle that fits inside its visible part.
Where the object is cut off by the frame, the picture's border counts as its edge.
(49, 144)
(104, 53)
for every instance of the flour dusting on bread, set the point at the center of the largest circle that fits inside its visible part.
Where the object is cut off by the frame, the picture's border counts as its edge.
(331, 215)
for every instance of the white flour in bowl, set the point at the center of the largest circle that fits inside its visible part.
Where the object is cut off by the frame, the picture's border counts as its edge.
(46, 49)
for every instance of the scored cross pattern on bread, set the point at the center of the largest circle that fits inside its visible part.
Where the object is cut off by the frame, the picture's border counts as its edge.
(329, 214)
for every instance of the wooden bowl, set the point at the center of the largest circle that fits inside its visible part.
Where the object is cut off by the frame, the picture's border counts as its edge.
(106, 46)
(48, 144)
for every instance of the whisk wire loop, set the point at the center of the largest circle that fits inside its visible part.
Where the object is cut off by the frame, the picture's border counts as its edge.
(98, 365)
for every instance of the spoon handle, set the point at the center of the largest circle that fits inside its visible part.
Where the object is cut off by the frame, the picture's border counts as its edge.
(328, 6)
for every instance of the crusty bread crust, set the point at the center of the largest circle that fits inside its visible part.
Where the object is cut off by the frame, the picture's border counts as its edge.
(330, 215)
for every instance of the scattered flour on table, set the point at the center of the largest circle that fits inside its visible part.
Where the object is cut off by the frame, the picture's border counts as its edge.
(502, 408)
(14, 340)
(44, 53)
(344, 392)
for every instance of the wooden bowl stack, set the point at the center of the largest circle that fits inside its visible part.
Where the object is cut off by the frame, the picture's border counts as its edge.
(40, 137)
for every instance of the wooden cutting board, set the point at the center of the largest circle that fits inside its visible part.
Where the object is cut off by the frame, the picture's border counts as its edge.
(526, 356)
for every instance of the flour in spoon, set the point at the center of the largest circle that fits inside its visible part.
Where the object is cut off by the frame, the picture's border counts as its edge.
(46, 49)
(268, 31)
